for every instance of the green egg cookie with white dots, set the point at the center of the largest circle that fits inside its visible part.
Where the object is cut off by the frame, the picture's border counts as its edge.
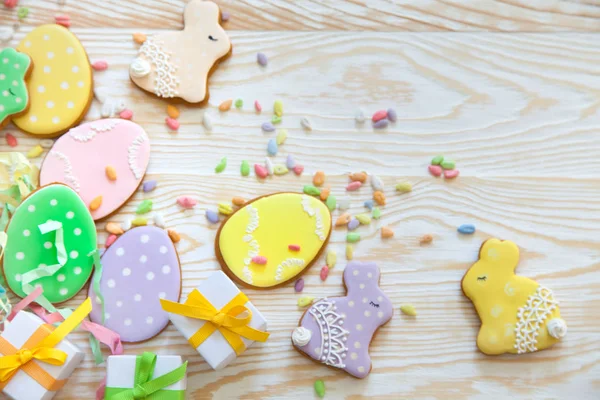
(50, 238)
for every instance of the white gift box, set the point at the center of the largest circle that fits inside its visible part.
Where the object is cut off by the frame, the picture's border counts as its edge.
(22, 386)
(219, 290)
(120, 371)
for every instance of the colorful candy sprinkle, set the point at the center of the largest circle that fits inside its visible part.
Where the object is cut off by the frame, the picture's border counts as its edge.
(305, 301)
(353, 224)
(380, 124)
(257, 106)
(139, 221)
(408, 309)
(275, 119)
(379, 197)
(260, 171)
(311, 190)
(172, 111)
(10, 3)
(36, 151)
(238, 201)
(376, 182)
(451, 173)
(260, 260)
(343, 203)
(320, 388)
(379, 115)
(364, 219)
(343, 219)
(325, 192)
(269, 166)
(306, 124)
(100, 65)
(319, 178)
(63, 20)
(144, 207)
(386, 232)
(358, 176)
(225, 16)
(359, 117)
(212, 216)
(111, 172)
(114, 228)
(47, 143)
(262, 60)
(221, 165)
(225, 209)
(172, 123)
(149, 186)
(352, 237)
(126, 114)
(280, 169)
(11, 140)
(96, 203)
(376, 213)
(272, 147)
(392, 115)
(447, 164)
(437, 160)
(139, 38)
(299, 285)
(226, 105)
(369, 204)
(281, 136)
(290, 162)
(425, 239)
(404, 187)
(352, 186)
(294, 247)
(349, 252)
(173, 235)
(159, 220)
(110, 240)
(324, 272)
(466, 229)
(207, 121)
(245, 168)
(186, 201)
(22, 12)
(331, 258)
(239, 103)
(435, 170)
(267, 127)
(126, 225)
(278, 108)
(298, 169)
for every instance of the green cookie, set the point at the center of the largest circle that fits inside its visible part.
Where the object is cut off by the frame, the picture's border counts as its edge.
(53, 208)
(14, 67)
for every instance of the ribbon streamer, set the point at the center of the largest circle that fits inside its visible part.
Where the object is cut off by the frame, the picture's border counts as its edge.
(227, 320)
(146, 388)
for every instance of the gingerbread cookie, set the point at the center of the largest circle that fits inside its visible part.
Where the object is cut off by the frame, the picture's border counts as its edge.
(517, 314)
(50, 238)
(337, 331)
(273, 239)
(178, 64)
(104, 159)
(139, 268)
(14, 69)
(60, 86)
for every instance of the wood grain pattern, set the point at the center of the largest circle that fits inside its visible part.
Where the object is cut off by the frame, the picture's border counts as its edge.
(331, 15)
(520, 114)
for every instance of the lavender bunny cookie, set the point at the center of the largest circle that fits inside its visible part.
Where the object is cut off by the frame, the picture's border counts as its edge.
(337, 331)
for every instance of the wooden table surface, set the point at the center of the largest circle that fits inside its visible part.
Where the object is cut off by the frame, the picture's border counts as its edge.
(510, 89)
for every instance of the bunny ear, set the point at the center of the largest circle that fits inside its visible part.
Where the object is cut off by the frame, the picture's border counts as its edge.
(359, 274)
(505, 253)
(201, 12)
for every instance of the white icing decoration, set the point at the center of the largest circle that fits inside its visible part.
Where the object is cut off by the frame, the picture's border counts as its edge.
(319, 227)
(306, 205)
(529, 318)
(139, 68)
(132, 152)
(165, 82)
(253, 221)
(70, 179)
(301, 336)
(333, 336)
(95, 128)
(557, 328)
(288, 262)
(254, 247)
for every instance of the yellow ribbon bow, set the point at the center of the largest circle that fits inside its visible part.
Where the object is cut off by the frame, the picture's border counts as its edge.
(232, 320)
(40, 346)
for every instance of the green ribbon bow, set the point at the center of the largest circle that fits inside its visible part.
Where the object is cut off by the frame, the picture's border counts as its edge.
(146, 388)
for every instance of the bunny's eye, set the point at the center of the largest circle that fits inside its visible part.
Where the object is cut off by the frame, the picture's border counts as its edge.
(374, 304)
(212, 38)
(11, 92)
(482, 278)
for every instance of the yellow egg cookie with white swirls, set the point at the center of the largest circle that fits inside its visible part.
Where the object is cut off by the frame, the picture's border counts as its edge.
(273, 239)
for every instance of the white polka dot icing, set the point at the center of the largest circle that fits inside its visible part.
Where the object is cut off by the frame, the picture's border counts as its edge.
(80, 157)
(132, 288)
(28, 248)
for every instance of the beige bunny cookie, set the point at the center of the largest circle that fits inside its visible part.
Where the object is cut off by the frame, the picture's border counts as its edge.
(178, 64)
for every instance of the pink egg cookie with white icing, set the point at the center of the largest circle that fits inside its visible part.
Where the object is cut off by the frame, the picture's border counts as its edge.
(103, 161)
(337, 331)
(139, 268)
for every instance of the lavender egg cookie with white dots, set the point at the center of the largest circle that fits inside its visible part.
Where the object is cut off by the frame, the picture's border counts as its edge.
(138, 269)
(50, 238)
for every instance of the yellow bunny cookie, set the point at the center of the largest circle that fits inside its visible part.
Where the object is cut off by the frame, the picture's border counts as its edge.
(178, 64)
(517, 314)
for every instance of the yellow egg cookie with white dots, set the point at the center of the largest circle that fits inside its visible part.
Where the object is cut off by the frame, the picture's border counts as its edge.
(518, 315)
(60, 86)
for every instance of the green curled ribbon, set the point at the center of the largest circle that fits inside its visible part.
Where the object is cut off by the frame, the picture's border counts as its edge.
(146, 388)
